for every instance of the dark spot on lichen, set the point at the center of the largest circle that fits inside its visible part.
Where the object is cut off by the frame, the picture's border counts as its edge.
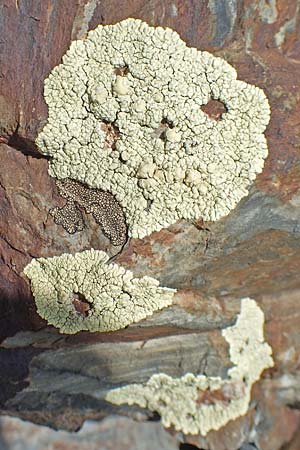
(112, 134)
(105, 209)
(80, 303)
(165, 124)
(162, 403)
(168, 123)
(214, 109)
(122, 71)
(149, 204)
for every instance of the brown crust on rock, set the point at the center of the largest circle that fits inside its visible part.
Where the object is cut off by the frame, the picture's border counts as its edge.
(69, 216)
(104, 207)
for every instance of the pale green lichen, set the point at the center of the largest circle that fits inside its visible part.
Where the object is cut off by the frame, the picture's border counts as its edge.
(197, 403)
(170, 159)
(85, 292)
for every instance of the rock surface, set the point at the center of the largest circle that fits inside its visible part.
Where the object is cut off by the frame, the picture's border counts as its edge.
(61, 381)
(110, 434)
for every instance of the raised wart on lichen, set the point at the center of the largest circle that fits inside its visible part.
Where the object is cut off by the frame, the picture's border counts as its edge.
(196, 403)
(85, 292)
(125, 116)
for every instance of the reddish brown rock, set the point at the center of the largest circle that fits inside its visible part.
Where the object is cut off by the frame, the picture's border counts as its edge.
(61, 381)
(28, 230)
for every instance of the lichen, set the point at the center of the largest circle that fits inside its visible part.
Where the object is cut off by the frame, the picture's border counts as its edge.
(69, 216)
(102, 205)
(85, 292)
(125, 116)
(197, 403)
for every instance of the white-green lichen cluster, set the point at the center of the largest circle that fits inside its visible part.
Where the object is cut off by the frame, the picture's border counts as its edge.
(85, 292)
(197, 403)
(170, 160)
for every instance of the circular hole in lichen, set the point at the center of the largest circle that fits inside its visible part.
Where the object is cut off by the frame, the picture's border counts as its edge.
(122, 70)
(81, 304)
(214, 109)
(165, 124)
(112, 134)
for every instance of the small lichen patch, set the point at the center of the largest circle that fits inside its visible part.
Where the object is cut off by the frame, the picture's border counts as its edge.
(85, 292)
(153, 89)
(196, 403)
(102, 205)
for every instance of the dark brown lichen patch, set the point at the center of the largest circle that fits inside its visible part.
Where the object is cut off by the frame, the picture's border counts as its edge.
(112, 226)
(214, 109)
(102, 205)
(78, 192)
(80, 303)
(69, 216)
(112, 134)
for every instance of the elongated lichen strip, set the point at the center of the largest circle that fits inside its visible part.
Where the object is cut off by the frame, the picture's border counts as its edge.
(83, 292)
(197, 403)
(125, 116)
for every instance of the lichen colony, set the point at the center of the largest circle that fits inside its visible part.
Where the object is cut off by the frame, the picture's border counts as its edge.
(125, 117)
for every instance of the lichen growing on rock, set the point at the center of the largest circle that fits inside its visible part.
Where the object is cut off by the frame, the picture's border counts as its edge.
(102, 205)
(197, 403)
(69, 216)
(125, 116)
(85, 292)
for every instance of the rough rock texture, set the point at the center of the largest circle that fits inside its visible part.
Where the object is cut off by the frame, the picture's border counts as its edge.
(106, 435)
(61, 381)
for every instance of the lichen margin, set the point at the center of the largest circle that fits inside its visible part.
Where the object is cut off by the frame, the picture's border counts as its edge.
(179, 400)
